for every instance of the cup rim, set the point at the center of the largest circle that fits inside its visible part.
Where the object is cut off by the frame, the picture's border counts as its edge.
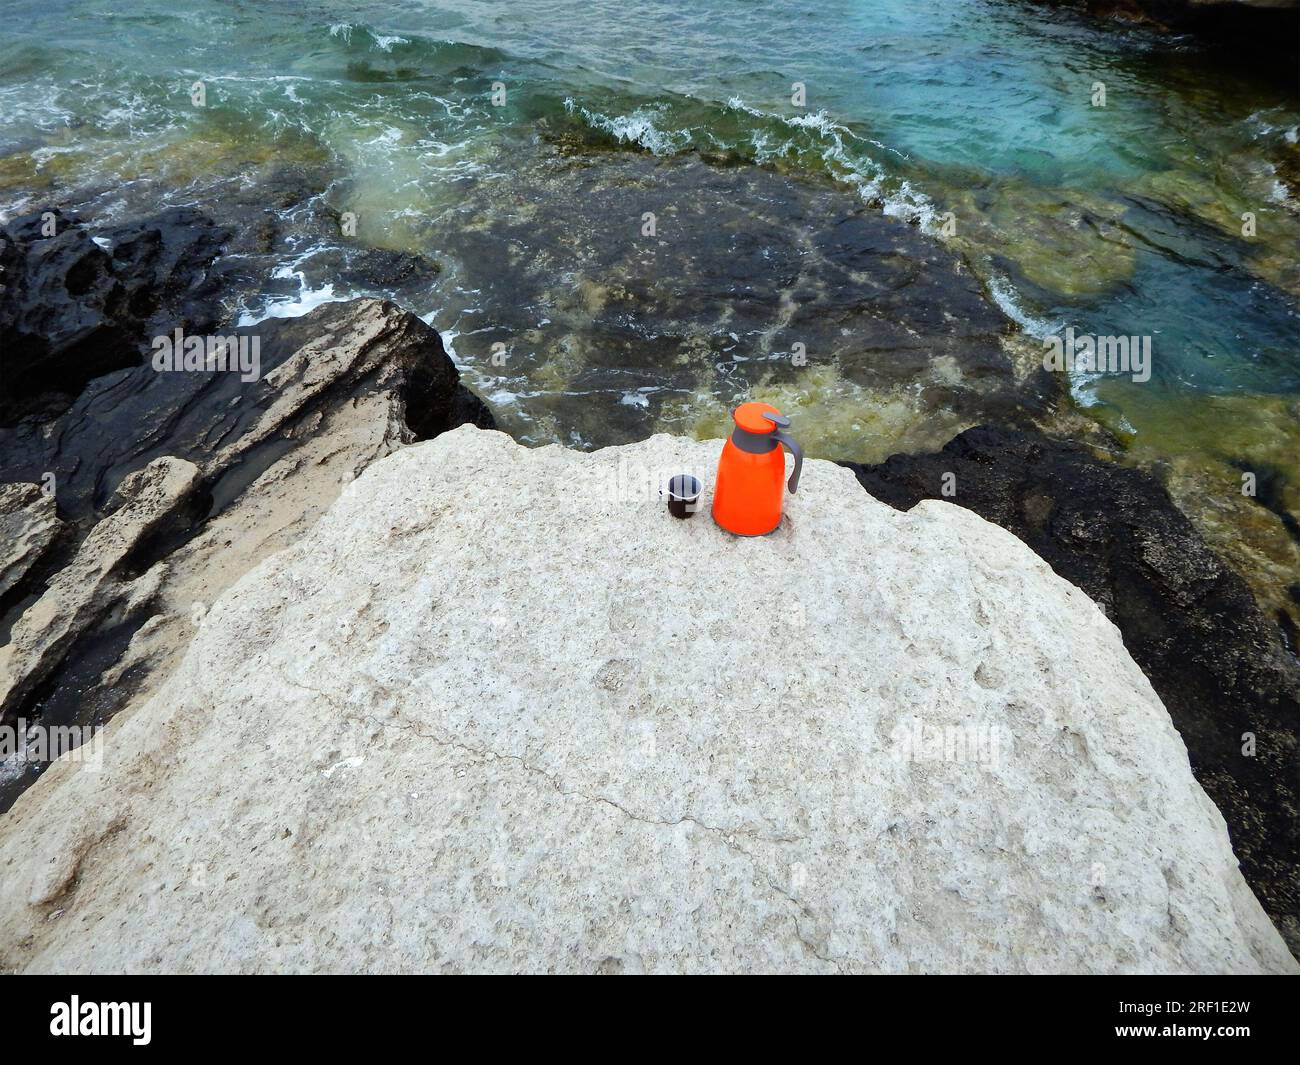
(691, 485)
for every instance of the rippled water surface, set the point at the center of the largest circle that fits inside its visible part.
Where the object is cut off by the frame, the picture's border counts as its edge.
(1117, 220)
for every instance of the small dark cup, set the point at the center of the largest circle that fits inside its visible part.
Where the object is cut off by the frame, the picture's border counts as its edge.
(683, 495)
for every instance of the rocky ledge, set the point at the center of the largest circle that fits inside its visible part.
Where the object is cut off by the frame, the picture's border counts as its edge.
(497, 710)
(204, 477)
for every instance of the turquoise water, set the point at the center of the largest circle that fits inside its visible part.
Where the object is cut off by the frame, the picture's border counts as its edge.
(1123, 219)
(934, 106)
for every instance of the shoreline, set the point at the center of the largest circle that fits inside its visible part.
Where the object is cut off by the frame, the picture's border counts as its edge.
(137, 624)
(618, 263)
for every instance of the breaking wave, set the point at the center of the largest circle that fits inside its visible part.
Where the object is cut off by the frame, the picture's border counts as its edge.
(813, 141)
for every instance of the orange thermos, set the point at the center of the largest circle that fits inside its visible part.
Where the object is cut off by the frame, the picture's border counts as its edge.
(751, 473)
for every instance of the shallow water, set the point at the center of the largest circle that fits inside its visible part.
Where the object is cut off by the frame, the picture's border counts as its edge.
(971, 119)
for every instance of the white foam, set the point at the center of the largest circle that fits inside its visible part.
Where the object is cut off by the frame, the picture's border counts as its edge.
(306, 300)
(637, 128)
(448, 340)
(854, 168)
(1006, 297)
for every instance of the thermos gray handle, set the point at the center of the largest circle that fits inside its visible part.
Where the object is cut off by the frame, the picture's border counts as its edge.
(782, 422)
(797, 452)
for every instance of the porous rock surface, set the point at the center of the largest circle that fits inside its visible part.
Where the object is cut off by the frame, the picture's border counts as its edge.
(29, 524)
(83, 590)
(78, 302)
(1191, 624)
(498, 710)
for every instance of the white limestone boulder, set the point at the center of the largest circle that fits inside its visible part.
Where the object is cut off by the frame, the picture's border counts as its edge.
(499, 711)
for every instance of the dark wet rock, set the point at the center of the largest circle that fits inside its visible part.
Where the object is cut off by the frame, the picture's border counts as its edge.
(383, 348)
(607, 335)
(381, 269)
(123, 420)
(276, 211)
(1190, 14)
(83, 301)
(743, 265)
(1188, 621)
(1250, 27)
(1270, 483)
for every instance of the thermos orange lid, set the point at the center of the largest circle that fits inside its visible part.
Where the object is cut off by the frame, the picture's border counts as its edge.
(749, 416)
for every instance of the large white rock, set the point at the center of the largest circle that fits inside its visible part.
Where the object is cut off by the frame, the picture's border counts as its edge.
(496, 712)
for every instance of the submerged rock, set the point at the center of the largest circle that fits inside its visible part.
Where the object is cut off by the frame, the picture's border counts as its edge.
(498, 710)
(1187, 619)
(617, 283)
